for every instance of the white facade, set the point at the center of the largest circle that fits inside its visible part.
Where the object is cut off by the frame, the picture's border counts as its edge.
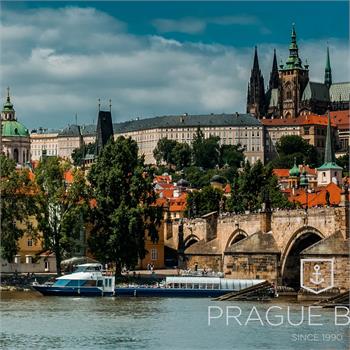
(43, 142)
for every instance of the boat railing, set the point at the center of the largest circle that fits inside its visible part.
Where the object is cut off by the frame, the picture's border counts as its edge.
(201, 273)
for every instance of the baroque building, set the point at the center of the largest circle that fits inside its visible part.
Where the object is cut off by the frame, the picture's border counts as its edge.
(290, 92)
(14, 136)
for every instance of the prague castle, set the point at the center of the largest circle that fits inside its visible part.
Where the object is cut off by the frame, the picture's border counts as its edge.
(290, 93)
(291, 105)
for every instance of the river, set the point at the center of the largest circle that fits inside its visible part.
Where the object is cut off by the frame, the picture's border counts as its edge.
(31, 321)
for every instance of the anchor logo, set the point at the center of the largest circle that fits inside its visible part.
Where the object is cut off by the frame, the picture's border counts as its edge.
(317, 272)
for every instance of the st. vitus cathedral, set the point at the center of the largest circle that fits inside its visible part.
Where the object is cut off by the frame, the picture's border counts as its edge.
(290, 93)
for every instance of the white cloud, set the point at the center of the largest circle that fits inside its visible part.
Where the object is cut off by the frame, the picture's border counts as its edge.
(59, 62)
(192, 25)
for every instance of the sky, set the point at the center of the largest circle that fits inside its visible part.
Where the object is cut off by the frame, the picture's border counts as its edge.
(155, 58)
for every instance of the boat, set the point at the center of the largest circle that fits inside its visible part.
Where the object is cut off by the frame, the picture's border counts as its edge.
(87, 280)
(188, 286)
(90, 280)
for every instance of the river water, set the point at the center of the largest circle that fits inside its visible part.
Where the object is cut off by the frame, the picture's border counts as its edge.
(31, 321)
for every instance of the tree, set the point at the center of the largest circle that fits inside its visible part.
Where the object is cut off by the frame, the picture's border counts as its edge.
(254, 186)
(343, 161)
(293, 146)
(181, 155)
(60, 207)
(16, 207)
(231, 155)
(122, 187)
(164, 151)
(204, 201)
(206, 152)
(79, 154)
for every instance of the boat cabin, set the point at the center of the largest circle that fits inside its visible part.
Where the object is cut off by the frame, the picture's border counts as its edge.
(187, 282)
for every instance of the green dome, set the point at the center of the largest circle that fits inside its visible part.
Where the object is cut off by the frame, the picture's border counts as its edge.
(13, 128)
(294, 171)
(304, 181)
(219, 179)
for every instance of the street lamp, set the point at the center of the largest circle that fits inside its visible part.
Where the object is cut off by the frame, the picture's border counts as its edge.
(304, 183)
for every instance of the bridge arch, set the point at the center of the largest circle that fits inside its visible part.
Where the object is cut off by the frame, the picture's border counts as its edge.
(236, 236)
(191, 239)
(290, 259)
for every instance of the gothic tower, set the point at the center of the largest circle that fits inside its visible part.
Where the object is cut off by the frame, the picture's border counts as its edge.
(293, 77)
(328, 72)
(274, 78)
(256, 92)
(104, 130)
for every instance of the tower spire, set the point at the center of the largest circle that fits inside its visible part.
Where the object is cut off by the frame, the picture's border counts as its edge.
(329, 156)
(256, 60)
(256, 89)
(273, 84)
(293, 60)
(328, 71)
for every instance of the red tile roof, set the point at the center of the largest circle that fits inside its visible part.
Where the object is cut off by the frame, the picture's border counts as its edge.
(285, 172)
(68, 176)
(227, 188)
(162, 179)
(312, 119)
(317, 198)
(281, 172)
(341, 118)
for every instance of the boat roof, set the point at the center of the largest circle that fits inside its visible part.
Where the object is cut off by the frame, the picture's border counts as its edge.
(192, 279)
(195, 279)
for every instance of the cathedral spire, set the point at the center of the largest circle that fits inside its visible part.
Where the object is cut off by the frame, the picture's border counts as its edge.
(256, 61)
(273, 84)
(328, 71)
(256, 89)
(293, 60)
(329, 156)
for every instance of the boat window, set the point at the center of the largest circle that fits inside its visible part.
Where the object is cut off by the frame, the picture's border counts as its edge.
(90, 283)
(183, 285)
(75, 283)
(215, 286)
(176, 285)
(110, 282)
(209, 286)
(99, 283)
(195, 286)
(60, 283)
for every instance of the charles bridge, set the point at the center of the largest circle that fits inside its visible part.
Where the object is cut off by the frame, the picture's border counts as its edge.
(265, 245)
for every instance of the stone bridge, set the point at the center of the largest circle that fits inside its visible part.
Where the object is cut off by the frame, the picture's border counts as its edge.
(257, 245)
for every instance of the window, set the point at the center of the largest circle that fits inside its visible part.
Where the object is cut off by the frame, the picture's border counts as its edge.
(154, 254)
(306, 130)
(30, 242)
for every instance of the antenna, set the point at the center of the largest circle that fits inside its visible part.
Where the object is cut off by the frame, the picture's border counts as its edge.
(110, 105)
(76, 118)
(99, 104)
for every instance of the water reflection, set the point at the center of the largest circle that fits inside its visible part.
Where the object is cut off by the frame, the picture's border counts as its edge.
(31, 321)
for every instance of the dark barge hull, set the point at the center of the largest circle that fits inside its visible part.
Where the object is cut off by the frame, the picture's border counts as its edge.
(71, 292)
(169, 292)
(132, 292)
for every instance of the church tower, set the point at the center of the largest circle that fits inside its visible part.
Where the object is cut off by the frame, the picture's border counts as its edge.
(274, 78)
(293, 77)
(256, 92)
(329, 171)
(104, 130)
(328, 71)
